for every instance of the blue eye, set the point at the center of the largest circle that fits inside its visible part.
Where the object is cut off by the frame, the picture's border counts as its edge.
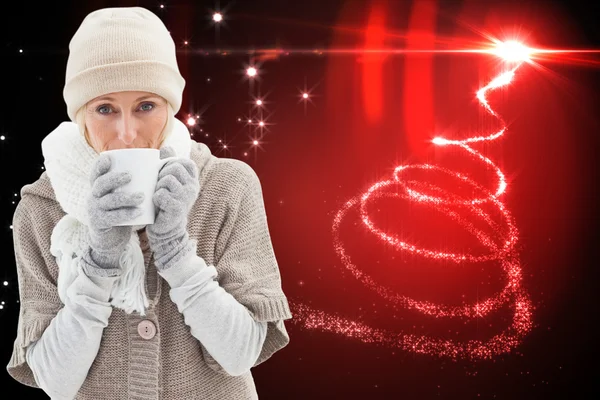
(148, 104)
(106, 106)
(99, 108)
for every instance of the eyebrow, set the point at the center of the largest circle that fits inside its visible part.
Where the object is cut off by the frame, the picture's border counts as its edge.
(113, 99)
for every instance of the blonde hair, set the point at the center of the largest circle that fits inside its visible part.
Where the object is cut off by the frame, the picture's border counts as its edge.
(164, 134)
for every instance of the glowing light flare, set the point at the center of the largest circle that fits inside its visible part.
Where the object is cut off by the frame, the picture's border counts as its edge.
(509, 51)
(513, 51)
(259, 101)
(305, 94)
(256, 143)
(501, 80)
(262, 124)
(499, 238)
(217, 17)
(251, 72)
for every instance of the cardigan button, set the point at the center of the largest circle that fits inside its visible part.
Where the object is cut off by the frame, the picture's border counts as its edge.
(147, 329)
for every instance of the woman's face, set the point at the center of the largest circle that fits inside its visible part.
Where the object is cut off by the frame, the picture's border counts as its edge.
(125, 120)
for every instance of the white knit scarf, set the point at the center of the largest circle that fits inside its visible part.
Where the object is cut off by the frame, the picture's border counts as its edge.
(68, 160)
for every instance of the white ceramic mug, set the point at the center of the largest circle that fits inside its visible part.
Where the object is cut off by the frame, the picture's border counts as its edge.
(143, 165)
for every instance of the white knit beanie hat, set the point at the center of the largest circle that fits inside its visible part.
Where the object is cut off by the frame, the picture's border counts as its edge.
(121, 49)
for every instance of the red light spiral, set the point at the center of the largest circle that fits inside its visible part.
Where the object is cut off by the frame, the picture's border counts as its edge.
(500, 246)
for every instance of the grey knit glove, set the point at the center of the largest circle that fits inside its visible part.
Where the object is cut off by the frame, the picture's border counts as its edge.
(176, 191)
(105, 209)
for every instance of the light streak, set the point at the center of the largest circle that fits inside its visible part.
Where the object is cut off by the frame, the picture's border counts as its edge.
(500, 245)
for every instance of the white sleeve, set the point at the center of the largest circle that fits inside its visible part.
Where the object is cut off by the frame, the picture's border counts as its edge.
(222, 324)
(61, 358)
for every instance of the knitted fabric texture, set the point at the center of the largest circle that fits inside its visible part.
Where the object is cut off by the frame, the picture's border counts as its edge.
(121, 49)
(68, 160)
(228, 223)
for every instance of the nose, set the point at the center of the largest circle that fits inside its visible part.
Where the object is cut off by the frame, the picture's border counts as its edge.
(127, 130)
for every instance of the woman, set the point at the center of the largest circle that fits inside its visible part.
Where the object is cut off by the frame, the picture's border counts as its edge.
(94, 323)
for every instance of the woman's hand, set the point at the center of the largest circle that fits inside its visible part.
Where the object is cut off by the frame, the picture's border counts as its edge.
(176, 192)
(106, 208)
